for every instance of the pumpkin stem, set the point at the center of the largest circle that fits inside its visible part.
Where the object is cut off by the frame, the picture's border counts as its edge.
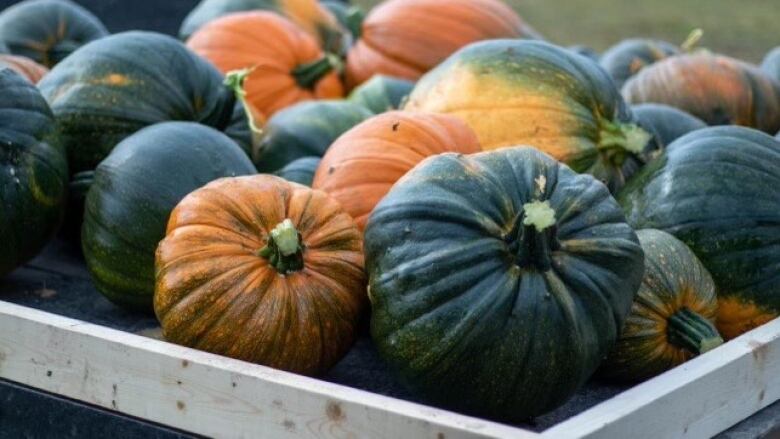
(284, 249)
(538, 236)
(354, 21)
(691, 331)
(235, 80)
(617, 141)
(308, 75)
(693, 39)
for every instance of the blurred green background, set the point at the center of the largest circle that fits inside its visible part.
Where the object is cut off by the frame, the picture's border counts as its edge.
(745, 29)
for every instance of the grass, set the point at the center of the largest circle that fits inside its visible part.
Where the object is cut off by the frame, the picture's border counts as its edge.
(743, 29)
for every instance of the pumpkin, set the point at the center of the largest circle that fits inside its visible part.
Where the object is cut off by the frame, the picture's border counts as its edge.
(771, 64)
(513, 92)
(134, 191)
(294, 266)
(24, 66)
(305, 130)
(382, 93)
(112, 87)
(33, 174)
(498, 280)
(627, 58)
(47, 31)
(406, 38)
(717, 89)
(587, 52)
(673, 315)
(300, 171)
(310, 16)
(666, 123)
(362, 165)
(717, 190)
(284, 65)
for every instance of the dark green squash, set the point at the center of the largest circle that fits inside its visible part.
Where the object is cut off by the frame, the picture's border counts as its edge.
(382, 93)
(114, 86)
(33, 174)
(718, 190)
(627, 58)
(133, 193)
(673, 316)
(499, 280)
(47, 31)
(666, 123)
(771, 64)
(301, 170)
(305, 130)
(585, 51)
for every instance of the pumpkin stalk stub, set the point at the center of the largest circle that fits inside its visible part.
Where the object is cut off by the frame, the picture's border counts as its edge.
(308, 75)
(235, 80)
(692, 40)
(538, 236)
(354, 21)
(284, 250)
(616, 141)
(692, 332)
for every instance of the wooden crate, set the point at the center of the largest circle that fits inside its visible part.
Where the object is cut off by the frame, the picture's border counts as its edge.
(217, 396)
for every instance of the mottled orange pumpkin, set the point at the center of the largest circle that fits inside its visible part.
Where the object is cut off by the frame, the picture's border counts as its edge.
(364, 163)
(406, 38)
(24, 66)
(287, 66)
(262, 270)
(717, 89)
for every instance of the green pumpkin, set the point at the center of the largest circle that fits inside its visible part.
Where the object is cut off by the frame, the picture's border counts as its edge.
(771, 64)
(666, 123)
(382, 93)
(498, 281)
(112, 87)
(305, 130)
(673, 316)
(627, 58)
(585, 51)
(300, 171)
(133, 193)
(47, 31)
(718, 191)
(522, 92)
(33, 174)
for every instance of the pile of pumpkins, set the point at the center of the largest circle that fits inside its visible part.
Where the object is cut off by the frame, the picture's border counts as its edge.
(513, 216)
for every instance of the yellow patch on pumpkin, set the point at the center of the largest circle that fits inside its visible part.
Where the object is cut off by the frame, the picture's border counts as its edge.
(736, 317)
(505, 113)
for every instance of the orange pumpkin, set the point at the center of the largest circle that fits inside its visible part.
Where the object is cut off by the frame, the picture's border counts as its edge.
(262, 270)
(363, 164)
(24, 66)
(406, 38)
(717, 89)
(287, 66)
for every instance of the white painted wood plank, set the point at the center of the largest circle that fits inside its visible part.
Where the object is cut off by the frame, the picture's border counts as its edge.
(204, 393)
(699, 399)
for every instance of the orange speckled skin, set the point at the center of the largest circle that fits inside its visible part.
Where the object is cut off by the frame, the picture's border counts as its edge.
(717, 89)
(406, 38)
(214, 293)
(24, 66)
(363, 164)
(674, 279)
(275, 47)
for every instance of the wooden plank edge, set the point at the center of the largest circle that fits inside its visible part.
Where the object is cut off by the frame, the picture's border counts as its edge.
(698, 399)
(204, 393)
